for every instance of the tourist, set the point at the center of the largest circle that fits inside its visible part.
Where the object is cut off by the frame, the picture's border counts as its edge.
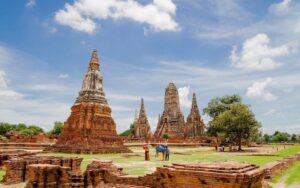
(146, 149)
(167, 156)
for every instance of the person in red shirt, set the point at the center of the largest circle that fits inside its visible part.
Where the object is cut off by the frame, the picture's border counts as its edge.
(146, 149)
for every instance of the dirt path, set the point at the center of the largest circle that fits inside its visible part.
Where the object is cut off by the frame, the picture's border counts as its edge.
(19, 185)
(281, 183)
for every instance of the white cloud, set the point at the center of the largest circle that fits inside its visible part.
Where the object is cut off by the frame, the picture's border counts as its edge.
(9, 94)
(281, 7)
(82, 15)
(228, 8)
(63, 76)
(5, 92)
(274, 112)
(2, 79)
(257, 54)
(47, 87)
(184, 97)
(127, 97)
(71, 17)
(5, 56)
(258, 90)
(30, 3)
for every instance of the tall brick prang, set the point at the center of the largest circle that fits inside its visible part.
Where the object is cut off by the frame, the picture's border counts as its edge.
(90, 128)
(194, 125)
(171, 121)
(142, 127)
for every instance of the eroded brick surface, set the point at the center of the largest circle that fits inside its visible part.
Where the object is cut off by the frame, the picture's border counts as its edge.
(16, 169)
(274, 168)
(142, 129)
(90, 128)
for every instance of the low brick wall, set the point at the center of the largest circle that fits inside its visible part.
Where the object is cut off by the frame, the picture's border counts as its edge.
(225, 175)
(47, 175)
(17, 168)
(102, 173)
(275, 168)
(7, 155)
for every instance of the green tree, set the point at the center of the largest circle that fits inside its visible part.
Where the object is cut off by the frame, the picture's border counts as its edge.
(35, 129)
(220, 104)
(294, 138)
(280, 137)
(129, 131)
(165, 136)
(58, 126)
(266, 137)
(20, 127)
(26, 132)
(5, 127)
(236, 122)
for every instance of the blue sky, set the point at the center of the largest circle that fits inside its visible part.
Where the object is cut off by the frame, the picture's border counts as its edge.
(210, 47)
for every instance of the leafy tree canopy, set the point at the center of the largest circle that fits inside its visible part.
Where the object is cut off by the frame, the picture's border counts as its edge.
(294, 138)
(129, 131)
(165, 136)
(58, 126)
(21, 128)
(231, 120)
(220, 104)
(266, 137)
(280, 137)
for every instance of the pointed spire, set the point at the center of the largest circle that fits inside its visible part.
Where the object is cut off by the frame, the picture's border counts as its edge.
(94, 62)
(194, 107)
(142, 110)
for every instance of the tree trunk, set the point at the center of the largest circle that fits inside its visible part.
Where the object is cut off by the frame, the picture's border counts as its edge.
(240, 144)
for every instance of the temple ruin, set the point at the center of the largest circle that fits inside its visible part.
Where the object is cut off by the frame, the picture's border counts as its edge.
(90, 128)
(104, 174)
(171, 121)
(194, 125)
(142, 127)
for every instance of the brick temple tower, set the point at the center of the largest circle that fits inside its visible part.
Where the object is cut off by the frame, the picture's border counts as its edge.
(142, 127)
(194, 125)
(90, 128)
(171, 121)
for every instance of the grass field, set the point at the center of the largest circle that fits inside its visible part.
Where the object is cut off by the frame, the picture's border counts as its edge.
(137, 166)
(1, 174)
(289, 177)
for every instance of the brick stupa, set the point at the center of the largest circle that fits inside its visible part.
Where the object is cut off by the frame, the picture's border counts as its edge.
(171, 121)
(90, 128)
(142, 127)
(194, 124)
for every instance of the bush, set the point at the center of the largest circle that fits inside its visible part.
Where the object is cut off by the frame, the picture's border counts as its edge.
(58, 126)
(280, 137)
(165, 136)
(21, 128)
(266, 137)
(129, 131)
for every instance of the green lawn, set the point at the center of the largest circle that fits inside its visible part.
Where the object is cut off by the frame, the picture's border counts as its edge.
(137, 166)
(1, 174)
(290, 176)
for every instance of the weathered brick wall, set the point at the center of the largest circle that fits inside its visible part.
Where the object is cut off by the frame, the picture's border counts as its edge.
(17, 168)
(103, 173)
(39, 138)
(6, 155)
(274, 168)
(226, 175)
(47, 175)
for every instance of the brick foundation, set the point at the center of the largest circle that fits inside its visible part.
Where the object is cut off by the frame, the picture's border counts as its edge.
(17, 168)
(274, 168)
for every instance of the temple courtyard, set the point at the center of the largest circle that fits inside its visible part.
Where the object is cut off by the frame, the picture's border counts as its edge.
(134, 163)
